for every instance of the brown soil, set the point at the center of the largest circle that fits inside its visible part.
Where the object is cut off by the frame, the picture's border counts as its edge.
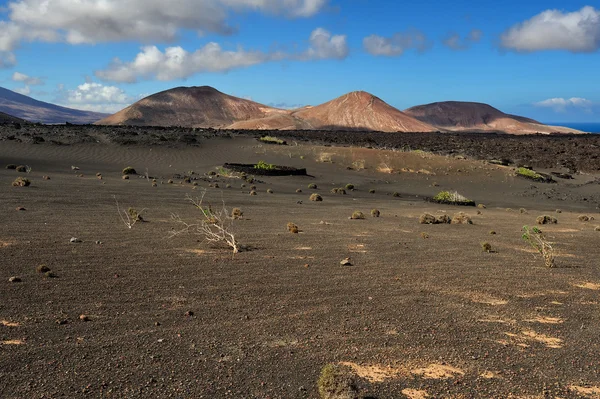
(180, 318)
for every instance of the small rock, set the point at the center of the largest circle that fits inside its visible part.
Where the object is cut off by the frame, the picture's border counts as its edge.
(189, 313)
(20, 208)
(98, 242)
(84, 317)
(346, 262)
(14, 279)
(42, 269)
(62, 322)
(74, 168)
(157, 324)
(75, 240)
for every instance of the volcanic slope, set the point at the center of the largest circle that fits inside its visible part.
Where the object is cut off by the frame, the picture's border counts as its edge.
(6, 118)
(33, 110)
(201, 106)
(470, 116)
(360, 110)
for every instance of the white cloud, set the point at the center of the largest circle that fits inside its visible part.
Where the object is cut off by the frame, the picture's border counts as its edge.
(177, 63)
(91, 96)
(562, 104)
(577, 31)
(397, 44)
(7, 59)
(28, 80)
(24, 90)
(324, 45)
(455, 42)
(93, 21)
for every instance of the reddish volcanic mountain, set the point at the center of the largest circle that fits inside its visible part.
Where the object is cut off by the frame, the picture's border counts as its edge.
(468, 116)
(360, 110)
(190, 107)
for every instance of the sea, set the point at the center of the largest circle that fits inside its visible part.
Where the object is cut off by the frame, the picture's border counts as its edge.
(584, 127)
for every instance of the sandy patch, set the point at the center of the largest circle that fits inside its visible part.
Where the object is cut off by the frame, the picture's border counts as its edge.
(415, 393)
(545, 320)
(488, 375)
(200, 251)
(497, 320)
(588, 286)
(4, 244)
(303, 249)
(556, 303)
(588, 392)
(487, 299)
(13, 342)
(375, 373)
(357, 248)
(7, 323)
(530, 335)
(438, 372)
(541, 294)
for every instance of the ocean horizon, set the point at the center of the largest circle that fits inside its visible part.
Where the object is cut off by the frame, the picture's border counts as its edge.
(584, 127)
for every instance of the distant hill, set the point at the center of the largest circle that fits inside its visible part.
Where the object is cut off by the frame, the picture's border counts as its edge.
(207, 107)
(190, 107)
(470, 116)
(5, 118)
(33, 110)
(360, 110)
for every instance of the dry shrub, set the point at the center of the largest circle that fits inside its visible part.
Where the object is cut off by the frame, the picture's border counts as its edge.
(486, 247)
(125, 177)
(481, 206)
(444, 219)
(170, 181)
(270, 191)
(538, 241)
(293, 228)
(584, 218)
(298, 190)
(396, 195)
(312, 186)
(338, 190)
(21, 182)
(316, 197)
(372, 191)
(11, 166)
(523, 210)
(461, 218)
(21, 168)
(325, 157)
(427, 218)
(597, 228)
(424, 235)
(375, 213)
(356, 215)
(337, 382)
(237, 213)
(253, 193)
(545, 219)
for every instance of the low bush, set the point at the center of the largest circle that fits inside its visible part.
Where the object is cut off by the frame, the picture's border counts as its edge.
(316, 197)
(11, 166)
(312, 186)
(545, 219)
(357, 215)
(461, 218)
(486, 247)
(452, 198)
(349, 187)
(375, 213)
(292, 228)
(21, 182)
(129, 171)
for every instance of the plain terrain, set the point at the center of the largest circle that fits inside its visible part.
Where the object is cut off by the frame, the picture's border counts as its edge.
(179, 318)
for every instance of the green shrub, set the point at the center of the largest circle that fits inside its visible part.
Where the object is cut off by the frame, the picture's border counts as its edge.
(272, 140)
(357, 215)
(262, 165)
(349, 187)
(337, 382)
(452, 198)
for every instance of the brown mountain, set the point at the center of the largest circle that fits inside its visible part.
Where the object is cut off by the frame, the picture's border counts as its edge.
(360, 110)
(468, 116)
(33, 110)
(190, 107)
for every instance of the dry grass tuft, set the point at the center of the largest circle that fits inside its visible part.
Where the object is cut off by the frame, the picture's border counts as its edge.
(427, 218)
(375, 213)
(316, 197)
(545, 219)
(237, 213)
(486, 247)
(461, 218)
(293, 228)
(21, 182)
(357, 215)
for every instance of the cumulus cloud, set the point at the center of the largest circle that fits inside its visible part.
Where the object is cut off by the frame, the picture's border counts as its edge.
(91, 96)
(7, 59)
(23, 90)
(28, 80)
(324, 45)
(577, 32)
(91, 21)
(562, 104)
(455, 42)
(397, 44)
(177, 63)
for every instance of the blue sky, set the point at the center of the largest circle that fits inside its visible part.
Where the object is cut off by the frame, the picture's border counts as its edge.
(533, 58)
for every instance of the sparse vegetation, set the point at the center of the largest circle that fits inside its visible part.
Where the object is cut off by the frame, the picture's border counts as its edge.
(396, 194)
(124, 177)
(371, 191)
(214, 226)
(424, 235)
(293, 228)
(461, 218)
(427, 218)
(129, 171)
(298, 190)
(349, 187)
(584, 218)
(270, 191)
(452, 198)
(444, 219)
(11, 166)
(237, 213)
(312, 186)
(532, 175)
(23, 169)
(492, 232)
(597, 228)
(486, 247)
(375, 213)
(523, 210)
(316, 197)
(337, 382)
(356, 215)
(21, 182)
(253, 193)
(272, 140)
(538, 241)
(262, 165)
(130, 216)
(545, 219)
(338, 190)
